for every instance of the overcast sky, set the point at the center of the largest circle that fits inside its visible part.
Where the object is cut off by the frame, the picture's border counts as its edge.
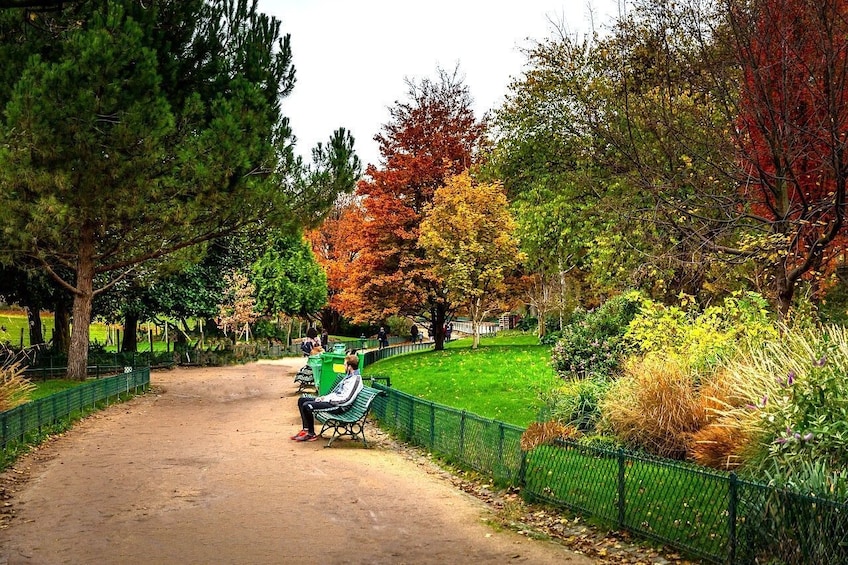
(352, 56)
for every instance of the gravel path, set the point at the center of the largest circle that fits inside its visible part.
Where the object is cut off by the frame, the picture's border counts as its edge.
(201, 470)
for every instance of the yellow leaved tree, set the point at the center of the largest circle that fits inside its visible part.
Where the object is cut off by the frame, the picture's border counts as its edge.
(469, 237)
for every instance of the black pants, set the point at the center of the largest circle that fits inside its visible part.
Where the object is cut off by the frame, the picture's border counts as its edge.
(306, 405)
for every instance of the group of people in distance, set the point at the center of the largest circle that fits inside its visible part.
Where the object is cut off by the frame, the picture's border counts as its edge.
(342, 395)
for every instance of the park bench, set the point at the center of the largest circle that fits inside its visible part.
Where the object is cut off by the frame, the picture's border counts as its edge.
(305, 379)
(349, 420)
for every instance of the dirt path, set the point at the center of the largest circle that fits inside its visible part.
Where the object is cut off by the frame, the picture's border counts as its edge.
(202, 471)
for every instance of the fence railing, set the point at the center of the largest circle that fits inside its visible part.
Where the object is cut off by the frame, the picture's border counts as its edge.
(374, 355)
(709, 514)
(16, 424)
(713, 515)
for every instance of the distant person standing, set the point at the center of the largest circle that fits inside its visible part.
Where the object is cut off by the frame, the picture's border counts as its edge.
(413, 333)
(383, 337)
(325, 339)
(448, 331)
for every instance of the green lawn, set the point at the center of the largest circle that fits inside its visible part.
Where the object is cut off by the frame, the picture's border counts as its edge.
(500, 380)
(52, 386)
(14, 327)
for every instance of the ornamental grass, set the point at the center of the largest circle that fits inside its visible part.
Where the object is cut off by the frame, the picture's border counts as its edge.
(655, 406)
(14, 387)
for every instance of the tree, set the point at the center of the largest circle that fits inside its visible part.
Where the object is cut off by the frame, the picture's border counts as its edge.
(288, 279)
(336, 245)
(431, 136)
(237, 311)
(791, 133)
(469, 237)
(134, 131)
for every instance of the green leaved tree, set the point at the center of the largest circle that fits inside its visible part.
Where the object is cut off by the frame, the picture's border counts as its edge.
(134, 130)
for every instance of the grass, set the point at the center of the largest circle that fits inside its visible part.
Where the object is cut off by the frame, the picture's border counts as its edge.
(52, 386)
(668, 501)
(500, 380)
(14, 328)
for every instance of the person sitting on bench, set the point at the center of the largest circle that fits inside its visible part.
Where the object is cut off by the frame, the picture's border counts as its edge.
(343, 394)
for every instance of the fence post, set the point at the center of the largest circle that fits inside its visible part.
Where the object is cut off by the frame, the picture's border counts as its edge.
(432, 425)
(731, 518)
(500, 443)
(462, 436)
(621, 502)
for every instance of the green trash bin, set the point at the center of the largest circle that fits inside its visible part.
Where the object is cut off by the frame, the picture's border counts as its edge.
(332, 367)
(314, 362)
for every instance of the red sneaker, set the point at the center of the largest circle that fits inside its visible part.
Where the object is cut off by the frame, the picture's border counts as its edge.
(307, 437)
(298, 435)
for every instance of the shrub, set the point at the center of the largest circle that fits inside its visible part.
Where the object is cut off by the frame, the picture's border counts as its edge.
(576, 403)
(702, 338)
(398, 326)
(655, 406)
(592, 343)
(791, 397)
(717, 445)
(550, 338)
(541, 433)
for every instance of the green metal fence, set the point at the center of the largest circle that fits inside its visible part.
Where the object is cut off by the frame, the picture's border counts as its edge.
(374, 355)
(16, 424)
(712, 515)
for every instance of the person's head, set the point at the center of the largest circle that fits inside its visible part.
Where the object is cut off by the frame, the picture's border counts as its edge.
(352, 362)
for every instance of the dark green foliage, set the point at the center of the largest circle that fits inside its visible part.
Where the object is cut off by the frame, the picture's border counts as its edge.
(288, 279)
(592, 343)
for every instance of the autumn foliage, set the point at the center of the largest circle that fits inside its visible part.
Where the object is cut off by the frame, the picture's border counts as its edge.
(429, 137)
(792, 130)
(336, 244)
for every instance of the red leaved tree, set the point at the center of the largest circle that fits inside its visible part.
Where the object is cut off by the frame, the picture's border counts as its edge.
(429, 137)
(792, 131)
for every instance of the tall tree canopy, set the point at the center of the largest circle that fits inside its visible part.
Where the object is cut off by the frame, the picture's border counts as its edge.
(696, 136)
(132, 130)
(432, 135)
(336, 245)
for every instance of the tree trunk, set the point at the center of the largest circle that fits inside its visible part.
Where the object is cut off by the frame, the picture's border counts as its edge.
(61, 327)
(130, 342)
(438, 315)
(785, 292)
(36, 331)
(81, 313)
(476, 318)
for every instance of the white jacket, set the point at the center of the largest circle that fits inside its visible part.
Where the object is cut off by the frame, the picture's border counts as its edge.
(344, 393)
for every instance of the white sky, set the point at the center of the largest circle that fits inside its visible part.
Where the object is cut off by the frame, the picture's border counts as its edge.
(352, 56)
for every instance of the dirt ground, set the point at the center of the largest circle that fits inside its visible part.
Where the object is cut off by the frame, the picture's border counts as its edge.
(201, 470)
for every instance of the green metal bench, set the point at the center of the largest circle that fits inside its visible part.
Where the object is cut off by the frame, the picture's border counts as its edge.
(350, 420)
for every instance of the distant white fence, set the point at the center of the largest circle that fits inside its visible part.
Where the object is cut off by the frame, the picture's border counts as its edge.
(486, 328)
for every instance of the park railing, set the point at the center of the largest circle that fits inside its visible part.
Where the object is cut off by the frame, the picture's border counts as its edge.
(17, 424)
(715, 516)
(373, 355)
